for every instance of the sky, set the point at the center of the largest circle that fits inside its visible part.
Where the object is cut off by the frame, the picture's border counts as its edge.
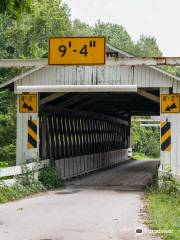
(157, 18)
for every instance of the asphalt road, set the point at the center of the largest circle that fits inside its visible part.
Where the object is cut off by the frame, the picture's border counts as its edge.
(104, 205)
(132, 176)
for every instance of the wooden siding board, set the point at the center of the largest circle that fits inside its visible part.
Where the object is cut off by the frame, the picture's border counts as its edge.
(142, 76)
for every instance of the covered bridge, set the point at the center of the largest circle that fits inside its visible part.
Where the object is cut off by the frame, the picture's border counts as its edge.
(88, 129)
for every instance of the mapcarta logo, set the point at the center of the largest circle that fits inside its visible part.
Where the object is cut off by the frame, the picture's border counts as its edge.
(139, 231)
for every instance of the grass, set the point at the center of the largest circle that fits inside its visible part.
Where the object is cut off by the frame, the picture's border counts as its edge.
(164, 212)
(141, 156)
(27, 185)
(18, 191)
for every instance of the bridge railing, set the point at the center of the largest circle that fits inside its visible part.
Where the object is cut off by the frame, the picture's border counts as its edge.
(8, 175)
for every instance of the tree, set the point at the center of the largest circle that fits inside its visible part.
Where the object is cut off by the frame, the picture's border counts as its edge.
(28, 37)
(81, 28)
(24, 34)
(115, 34)
(14, 8)
(145, 140)
(147, 47)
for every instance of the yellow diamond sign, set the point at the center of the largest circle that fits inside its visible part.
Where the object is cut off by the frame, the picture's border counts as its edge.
(170, 103)
(28, 103)
(76, 50)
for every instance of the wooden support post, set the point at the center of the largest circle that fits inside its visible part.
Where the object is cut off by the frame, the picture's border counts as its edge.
(172, 158)
(24, 152)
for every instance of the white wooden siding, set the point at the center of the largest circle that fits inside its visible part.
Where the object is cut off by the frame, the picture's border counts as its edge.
(172, 158)
(141, 76)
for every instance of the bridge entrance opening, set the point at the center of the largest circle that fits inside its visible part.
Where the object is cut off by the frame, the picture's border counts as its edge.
(83, 132)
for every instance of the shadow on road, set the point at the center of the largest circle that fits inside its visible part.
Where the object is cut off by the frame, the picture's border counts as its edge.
(132, 176)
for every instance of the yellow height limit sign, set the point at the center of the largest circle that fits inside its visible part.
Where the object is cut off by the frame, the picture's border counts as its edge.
(76, 51)
(170, 103)
(28, 103)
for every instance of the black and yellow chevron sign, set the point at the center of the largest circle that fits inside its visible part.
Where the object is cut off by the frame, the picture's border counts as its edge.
(32, 134)
(166, 136)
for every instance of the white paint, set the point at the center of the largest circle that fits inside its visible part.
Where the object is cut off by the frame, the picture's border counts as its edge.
(110, 61)
(149, 125)
(75, 166)
(22, 152)
(18, 170)
(94, 77)
(104, 75)
(77, 88)
(8, 63)
(172, 159)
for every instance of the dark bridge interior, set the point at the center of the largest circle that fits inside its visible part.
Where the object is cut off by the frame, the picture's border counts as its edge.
(119, 105)
(82, 132)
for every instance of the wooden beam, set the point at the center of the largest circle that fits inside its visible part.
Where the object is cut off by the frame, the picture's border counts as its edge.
(86, 103)
(72, 100)
(77, 88)
(119, 61)
(149, 125)
(144, 120)
(9, 63)
(51, 98)
(143, 61)
(49, 110)
(148, 95)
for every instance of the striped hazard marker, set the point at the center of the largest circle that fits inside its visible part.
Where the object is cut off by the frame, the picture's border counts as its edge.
(166, 136)
(32, 134)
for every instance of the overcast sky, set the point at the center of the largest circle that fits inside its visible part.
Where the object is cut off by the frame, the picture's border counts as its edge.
(158, 18)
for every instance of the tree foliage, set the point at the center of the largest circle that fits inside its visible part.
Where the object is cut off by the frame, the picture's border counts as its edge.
(81, 28)
(147, 47)
(145, 140)
(14, 8)
(27, 37)
(115, 34)
(26, 25)
(24, 33)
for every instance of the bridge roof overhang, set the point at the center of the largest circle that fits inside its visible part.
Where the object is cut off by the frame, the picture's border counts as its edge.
(110, 73)
(148, 79)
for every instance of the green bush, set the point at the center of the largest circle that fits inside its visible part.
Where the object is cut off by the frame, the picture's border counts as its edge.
(168, 183)
(7, 130)
(49, 178)
(8, 154)
(145, 140)
(26, 184)
(7, 139)
(4, 164)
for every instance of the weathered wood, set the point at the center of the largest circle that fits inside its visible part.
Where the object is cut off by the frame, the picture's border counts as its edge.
(50, 98)
(72, 100)
(18, 170)
(49, 110)
(56, 133)
(51, 138)
(110, 61)
(148, 95)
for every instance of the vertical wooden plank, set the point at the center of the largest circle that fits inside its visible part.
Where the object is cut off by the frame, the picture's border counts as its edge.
(56, 135)
(51, 132)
